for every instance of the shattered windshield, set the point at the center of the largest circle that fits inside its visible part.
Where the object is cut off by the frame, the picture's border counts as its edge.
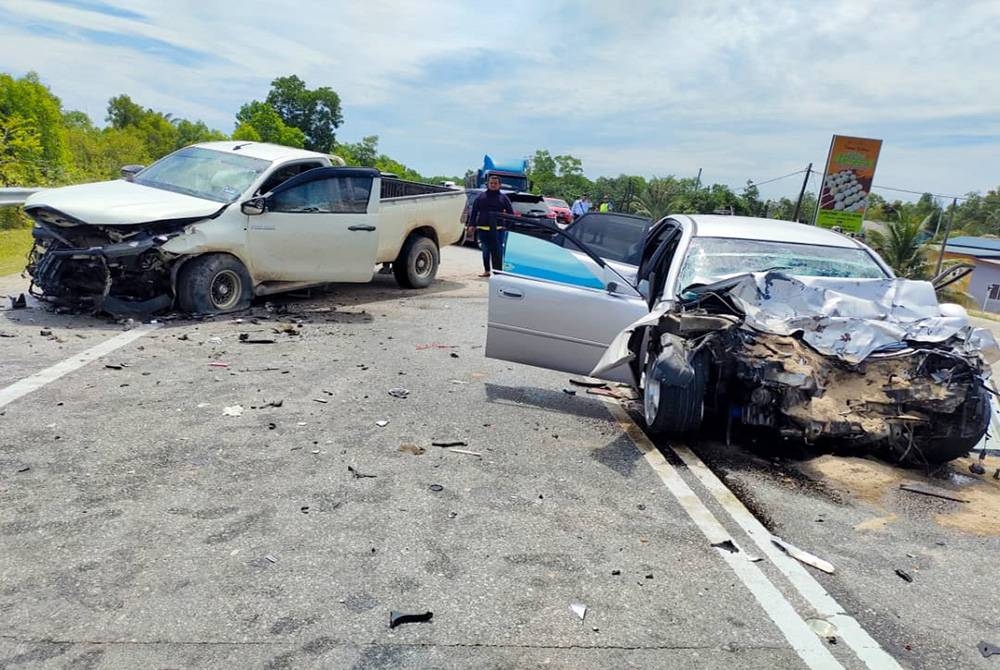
(204, 173)
(710, 259)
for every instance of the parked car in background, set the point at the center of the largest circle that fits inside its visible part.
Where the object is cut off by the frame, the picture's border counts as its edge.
(761, 325)
(562, 211)
(527, 205)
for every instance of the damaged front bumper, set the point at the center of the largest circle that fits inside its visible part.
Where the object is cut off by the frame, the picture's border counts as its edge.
(119, 271)
(925, 404)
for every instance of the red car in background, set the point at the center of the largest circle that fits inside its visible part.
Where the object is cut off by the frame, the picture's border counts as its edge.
(561, 209)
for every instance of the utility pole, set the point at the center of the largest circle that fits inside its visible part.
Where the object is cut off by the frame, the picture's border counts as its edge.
(697, 181)
(947, 230)
(802, 192)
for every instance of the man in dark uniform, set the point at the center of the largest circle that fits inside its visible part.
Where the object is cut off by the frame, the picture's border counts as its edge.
(484, 210)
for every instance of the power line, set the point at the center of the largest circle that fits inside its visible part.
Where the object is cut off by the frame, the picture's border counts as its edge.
(785, 176)
(905, 190)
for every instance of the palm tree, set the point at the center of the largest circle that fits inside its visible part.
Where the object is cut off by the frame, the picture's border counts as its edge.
(901, 247)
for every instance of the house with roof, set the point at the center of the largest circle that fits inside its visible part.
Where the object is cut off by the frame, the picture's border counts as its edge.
(984, 282)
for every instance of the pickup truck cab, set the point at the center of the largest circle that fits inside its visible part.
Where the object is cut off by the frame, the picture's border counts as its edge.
(208, 227)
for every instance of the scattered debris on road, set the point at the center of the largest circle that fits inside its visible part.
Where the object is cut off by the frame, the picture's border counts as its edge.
(233, 410)
(246, 339)
(412, 449)
(435, 345)
(449, 443)
(19, 302)
(987, 649)
(399, 618)
(399, 392)
(579, 609)
(322, 401)
(24, 469)
(904, 575)
(436, 488)
(802, 556)
(932, 491)
(466, 452)
(588, 383)
(271, 558)
(358, 474)
(727, 545)
(382, 423)
(569, 391)
(214, 340)
(823, 628)
(218, 364)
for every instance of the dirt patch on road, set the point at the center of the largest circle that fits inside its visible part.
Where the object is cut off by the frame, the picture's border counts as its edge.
(981, 515)
(872, 482)
(859, 478)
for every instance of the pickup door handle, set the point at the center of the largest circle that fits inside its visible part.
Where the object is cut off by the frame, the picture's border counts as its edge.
(507, 293)
(364, 227)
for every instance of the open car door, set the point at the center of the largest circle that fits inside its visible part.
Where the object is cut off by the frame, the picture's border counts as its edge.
(558, 308)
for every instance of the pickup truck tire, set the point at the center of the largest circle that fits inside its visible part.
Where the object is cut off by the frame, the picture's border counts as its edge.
(417, 263)
(213, 284)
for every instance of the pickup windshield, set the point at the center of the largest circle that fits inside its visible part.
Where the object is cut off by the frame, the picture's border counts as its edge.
(203, 173)
(710, 259)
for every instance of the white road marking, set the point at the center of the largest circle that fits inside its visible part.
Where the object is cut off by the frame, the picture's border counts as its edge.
(866, 648)
(810, 648)
(36, 381)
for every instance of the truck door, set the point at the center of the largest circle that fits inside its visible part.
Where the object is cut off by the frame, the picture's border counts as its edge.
(321, 225)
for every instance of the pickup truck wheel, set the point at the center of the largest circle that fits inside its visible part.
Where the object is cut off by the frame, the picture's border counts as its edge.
(674, 410)
(417, 263)
(213, 284)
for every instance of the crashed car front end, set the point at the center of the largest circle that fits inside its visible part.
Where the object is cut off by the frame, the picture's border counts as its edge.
(117, 269)
(922, 403)
(871, 363)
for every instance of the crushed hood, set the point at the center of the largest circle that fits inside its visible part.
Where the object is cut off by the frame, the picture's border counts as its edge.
(851, 319)
(848, 319)
(121, 203)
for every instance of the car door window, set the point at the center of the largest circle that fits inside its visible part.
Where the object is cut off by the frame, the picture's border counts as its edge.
(613, 237)
(285, 173)
(537, 258)
(332, 195)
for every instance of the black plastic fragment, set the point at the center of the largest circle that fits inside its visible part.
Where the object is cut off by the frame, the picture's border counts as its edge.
(399, 618)
(359, 475)
(728, 545)
(905, 576)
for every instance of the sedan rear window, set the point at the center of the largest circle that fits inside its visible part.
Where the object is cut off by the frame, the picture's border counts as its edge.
(710, 259)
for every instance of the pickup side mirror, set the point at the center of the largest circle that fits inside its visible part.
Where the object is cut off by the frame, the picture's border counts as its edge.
(253, 206)
(128, 172)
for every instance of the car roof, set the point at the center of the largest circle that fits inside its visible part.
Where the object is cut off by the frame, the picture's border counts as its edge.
(269, 152)
(752, 228)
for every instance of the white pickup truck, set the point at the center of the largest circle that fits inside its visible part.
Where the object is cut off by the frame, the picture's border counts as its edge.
(211, 225)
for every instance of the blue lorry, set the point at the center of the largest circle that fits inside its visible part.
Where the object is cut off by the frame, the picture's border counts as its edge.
(513, 176)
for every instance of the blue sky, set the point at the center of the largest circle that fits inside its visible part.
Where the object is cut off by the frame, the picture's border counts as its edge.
(740, 90)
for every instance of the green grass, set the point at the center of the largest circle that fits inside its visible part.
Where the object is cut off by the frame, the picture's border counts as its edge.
(14, 246)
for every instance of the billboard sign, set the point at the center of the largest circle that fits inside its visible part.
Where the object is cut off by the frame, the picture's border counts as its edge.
(850, 168)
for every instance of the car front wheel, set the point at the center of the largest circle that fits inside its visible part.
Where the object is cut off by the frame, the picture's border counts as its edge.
(214, 284)
(674, 410)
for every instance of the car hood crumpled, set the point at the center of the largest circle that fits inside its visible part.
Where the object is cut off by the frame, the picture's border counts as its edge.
(849, 319)
(117, 203)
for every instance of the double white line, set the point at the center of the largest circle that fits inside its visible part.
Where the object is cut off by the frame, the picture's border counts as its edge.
(807, 644)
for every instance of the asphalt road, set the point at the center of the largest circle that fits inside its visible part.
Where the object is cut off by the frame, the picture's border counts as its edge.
(185, 501)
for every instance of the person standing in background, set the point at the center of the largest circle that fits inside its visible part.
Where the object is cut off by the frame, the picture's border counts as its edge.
(580, 206)
(492, 238)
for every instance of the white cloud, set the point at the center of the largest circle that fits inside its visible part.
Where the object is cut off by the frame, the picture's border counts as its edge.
(741, 90)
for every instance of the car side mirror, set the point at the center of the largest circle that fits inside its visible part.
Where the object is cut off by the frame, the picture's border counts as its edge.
(253, 206)
(128, 172)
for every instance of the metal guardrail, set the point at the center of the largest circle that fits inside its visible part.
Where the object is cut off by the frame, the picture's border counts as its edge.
(14, 196)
